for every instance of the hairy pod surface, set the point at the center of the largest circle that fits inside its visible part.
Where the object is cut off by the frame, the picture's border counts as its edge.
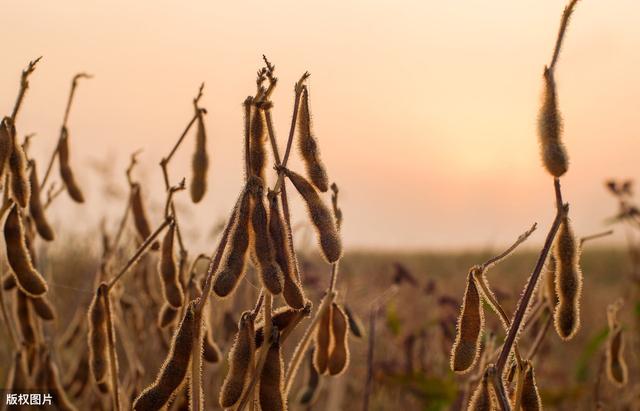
(25, 319)
(530, 400)
(28, 279)
(339, 356)
(465, 350)
(549, 289)
(308, 146)
(257, 151)
(175, 367)
(483, 396)
(168, 270)
(240, 361)
(617, 370)
(308, 395)
(272, 396)
(281, 318)
(234, 260)
(270, 272)
(8, 282)
(18, 379)
(199, 162)
(66, 174)
(98, 334)
(19, 181)
(291, 288)
(43, 308)
(210, 350)
(568, 282)
(167, 315)
(356, 327)
(554, 154)
(35, 207)
(139, 212)
(6, 145)
(54, 385)
(321, 217)
(323, 341)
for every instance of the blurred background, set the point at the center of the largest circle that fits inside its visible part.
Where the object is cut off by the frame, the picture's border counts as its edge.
(425, 111)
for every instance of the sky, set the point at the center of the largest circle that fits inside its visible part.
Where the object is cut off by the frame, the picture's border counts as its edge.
(425, 111)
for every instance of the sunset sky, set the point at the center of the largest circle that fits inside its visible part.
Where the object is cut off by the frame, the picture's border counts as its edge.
(425, 110)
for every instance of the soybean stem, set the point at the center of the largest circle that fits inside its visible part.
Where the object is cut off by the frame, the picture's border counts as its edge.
(143, 247)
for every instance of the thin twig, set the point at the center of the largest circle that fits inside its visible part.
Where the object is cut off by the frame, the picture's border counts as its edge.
(74, 85)
(537, 343)
(531, 285)
(521, 239)
(303, 344)
(141, 250)
(113, 359)
(264, 350)
(595, 236)
(24, 85)
(292, 129)
(564, 22)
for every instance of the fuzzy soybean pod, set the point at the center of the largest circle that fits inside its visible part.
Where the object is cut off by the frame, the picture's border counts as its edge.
(166, 315)
(568, 282)
(272, 396)
(617, 370)
(66, 174)
(43, 308)
(240, 360)
(323, 341)
(257, 150)
(18, 378)
(8, 282)
(139, 212)
(308, 146)
(281, 318)
(199, 162)
(355, 324)
(308, 395)
(19, 181)
(55, 386)
(549, 289)
(483, 397)
(25, 319)
(291, 288)
(339, 356)
(168, 270)
(27, 277)
(234, 261)
(175, 366)
(530, 400)
(270, 272)
(6, 145)
(210, 350)
(35, 207)
(465, 350)
(98, 334)
(321, 217)
(554, 154)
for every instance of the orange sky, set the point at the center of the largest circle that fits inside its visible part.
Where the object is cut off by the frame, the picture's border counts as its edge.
(425, 110)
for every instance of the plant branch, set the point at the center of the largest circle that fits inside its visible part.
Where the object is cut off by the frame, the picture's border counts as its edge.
(24, 85)
(141, 250)
(74, 85)
(531, 284)
(564, 22)
(595, 236)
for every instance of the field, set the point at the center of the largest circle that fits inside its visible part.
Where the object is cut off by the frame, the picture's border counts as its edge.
(414, 328)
